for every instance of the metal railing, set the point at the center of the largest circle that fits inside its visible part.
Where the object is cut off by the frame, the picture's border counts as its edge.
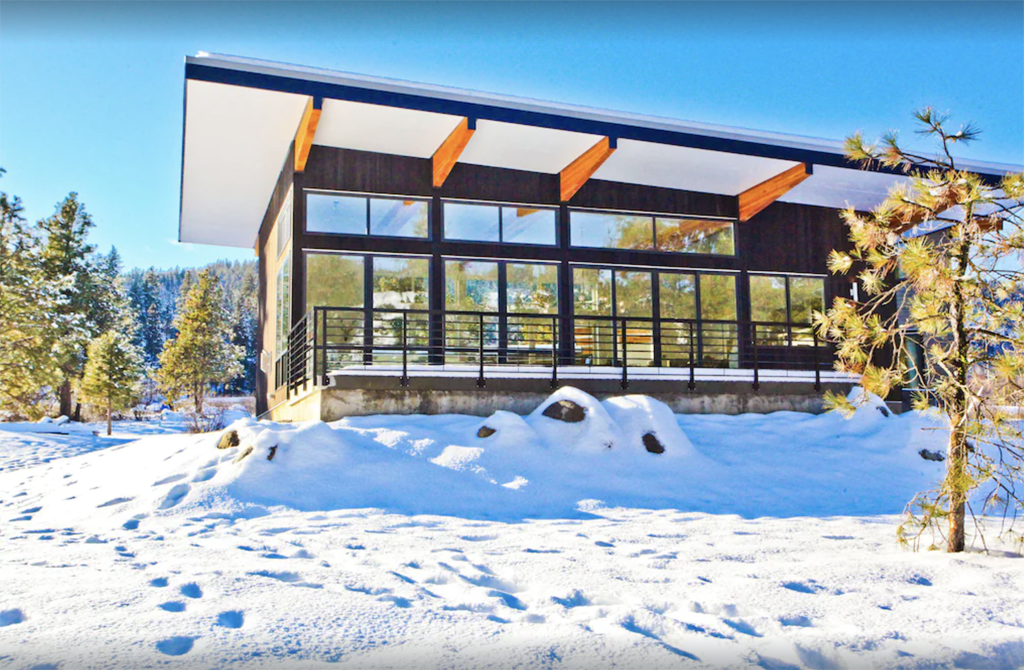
(335, 339)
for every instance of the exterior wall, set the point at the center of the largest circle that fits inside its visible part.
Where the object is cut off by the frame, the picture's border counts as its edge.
(783, 238)
(266, 250)
(366, 396)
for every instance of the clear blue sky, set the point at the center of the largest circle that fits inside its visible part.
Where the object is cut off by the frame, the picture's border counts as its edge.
(91, 94)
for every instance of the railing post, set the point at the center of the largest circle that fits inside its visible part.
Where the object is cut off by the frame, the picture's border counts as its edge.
(554, 352)
(316, 326)
(753, 344)
(817, 362)
(625, 358)
(405, 350)
(480, 381)
(692, 385)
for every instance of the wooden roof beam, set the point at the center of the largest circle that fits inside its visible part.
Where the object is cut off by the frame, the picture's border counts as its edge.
(447, 155)
(756, 198)
(307, 131)
(576, 174)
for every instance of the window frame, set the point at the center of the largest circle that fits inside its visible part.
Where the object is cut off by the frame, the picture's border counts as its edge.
(789, 323)
(500, 205)
(654, 216)
(368, 197)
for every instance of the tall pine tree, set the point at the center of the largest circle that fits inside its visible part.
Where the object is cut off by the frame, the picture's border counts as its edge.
(113, 368)
(202, 353)
(30, 314)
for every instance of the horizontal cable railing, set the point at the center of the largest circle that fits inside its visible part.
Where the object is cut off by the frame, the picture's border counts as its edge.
(335, 339)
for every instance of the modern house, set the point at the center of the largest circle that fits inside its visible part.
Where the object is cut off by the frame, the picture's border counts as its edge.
(429, 249)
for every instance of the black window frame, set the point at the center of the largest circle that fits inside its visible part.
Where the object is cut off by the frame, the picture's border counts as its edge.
(500, 205)
(654, 216)
(789, 323)
(368, 197)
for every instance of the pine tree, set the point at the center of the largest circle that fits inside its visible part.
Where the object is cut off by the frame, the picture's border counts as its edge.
(113, 368)
(954, 293)
(29, 318)
(66, 253)
(202, 353)
(244, 322)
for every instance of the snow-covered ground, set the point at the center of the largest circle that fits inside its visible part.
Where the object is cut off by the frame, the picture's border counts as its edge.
(753, 541)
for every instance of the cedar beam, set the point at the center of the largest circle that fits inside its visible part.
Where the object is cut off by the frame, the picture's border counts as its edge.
(307, 131)
(756, 198)
(576, 174)
(447, 155)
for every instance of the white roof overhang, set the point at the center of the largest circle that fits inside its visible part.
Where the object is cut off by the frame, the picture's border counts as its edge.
(241, 116)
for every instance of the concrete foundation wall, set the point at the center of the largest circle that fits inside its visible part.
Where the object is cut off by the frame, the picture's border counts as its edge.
(360, 396)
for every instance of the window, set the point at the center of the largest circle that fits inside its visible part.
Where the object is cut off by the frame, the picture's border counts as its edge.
(343, 214)
(678, 295)
(718, 303)
(604, 292)
(695, 236)
(471, 286)
(782, 307)
(401, 283)
(334, 280)
(532, 288)
(650, 233)
(283, 311)
(284, 223)
(611, 231)
(493, 223)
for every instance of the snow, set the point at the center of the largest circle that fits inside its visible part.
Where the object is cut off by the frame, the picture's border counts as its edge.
(397, 541)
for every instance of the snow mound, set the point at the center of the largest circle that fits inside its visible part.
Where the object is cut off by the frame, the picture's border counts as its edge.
(596, 433)
(511, 431)
(640, 417)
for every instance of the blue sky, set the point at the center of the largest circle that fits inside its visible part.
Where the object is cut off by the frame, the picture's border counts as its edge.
(91, 94)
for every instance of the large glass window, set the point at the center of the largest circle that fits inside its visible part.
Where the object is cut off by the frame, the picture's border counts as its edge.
(532, 288)
(284, 223)
(496, 223)
(604, 292)
(611, 231)
(719, 341)
(401, 283)
(678, 295)
(592, 291)
(695, 236)
(334, 280)
(283, 310)
(344, 214)
(783, 307)
(646, 232)
(471, 286)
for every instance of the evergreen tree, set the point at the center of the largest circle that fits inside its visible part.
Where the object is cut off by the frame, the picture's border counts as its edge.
(954, 293)
(113, 368)
(29, 314)
(66, 253)
(202, 353)
(244, 327)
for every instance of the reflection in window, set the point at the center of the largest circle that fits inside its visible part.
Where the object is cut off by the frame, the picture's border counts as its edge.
(342, 214)
(678, 295)
(334, 280)
(284, 223)
(719, 346)
(471, 286)
(360, 215)
(592, 291)
(532, 288)
(401, 283)
(695, 236)
(526, 225)
(398, 218)
(284, 304)
(611, 231)
(768, 306)
(786, 300)
(633, 293)
(475, 223)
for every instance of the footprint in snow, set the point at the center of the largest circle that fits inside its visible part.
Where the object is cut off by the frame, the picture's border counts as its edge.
(173, 606)
(574, 599)
(231, 619)
(11, 617)
(31, 510)
(159, 582)
(175, 496)
(191, 590)
(204, 475)
(115, 501)
(175, 646)
(169, 480)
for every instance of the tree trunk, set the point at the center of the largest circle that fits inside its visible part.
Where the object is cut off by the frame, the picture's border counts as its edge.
(78, 412)
(64, 395)
(956, 469)
(110, 411)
